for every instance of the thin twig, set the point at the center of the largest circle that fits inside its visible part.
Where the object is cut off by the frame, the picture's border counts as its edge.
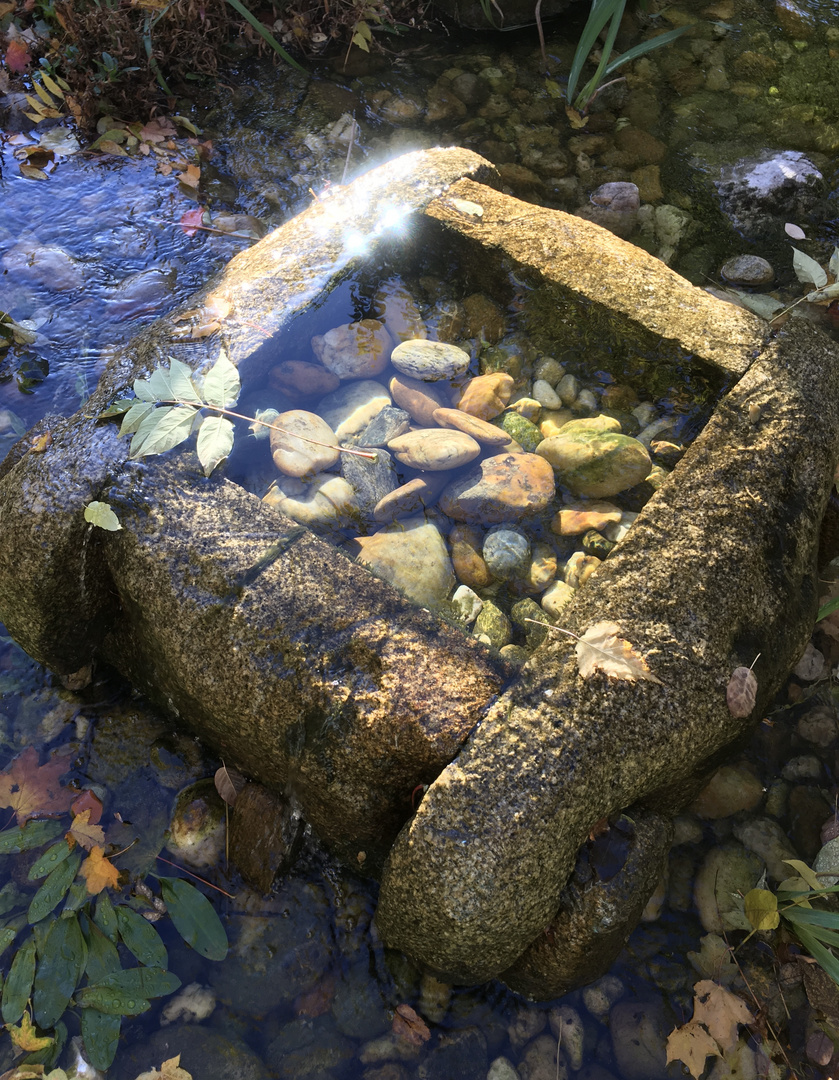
(538, 14)
(203, 881)
(349, 148)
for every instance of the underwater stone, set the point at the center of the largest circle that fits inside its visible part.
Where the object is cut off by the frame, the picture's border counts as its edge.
(748, 270)
(481, 430)
(577, 518)
(493, 624)
(430, 361)
(389, 423)
(420, 399)
(299, 377)
(395, 307)
(326, 504)
(411, 554)
(467, 604)
(595, 463)
(526, 434)
(506, 487)
(352, 406)
(293, 451)
(358, 350)
(466, 545)
(434, 449)
(411, 498)
(485, 396)
(506, 552)
(371, 480)
(556, 597)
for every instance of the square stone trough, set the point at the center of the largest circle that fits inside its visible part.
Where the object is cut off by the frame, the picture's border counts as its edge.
(325, 684)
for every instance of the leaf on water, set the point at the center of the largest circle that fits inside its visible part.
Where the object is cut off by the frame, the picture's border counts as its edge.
(228, 784)
(410, 1026)
(50, 860)
(84, 833)
(33, 790)
(741, 692)
(761, 909)
(600, 649)
(808, 875)
(221, 383)
(100, 1033)
(27, 1038)
(54, 889)
(795, 231)
(162, 430)
(192, 219)
(117, 408)
(173, 385)
(833, 264)
(691, 1044)
(721, 1012)
(111, 1000)
(62, 955)
(98, 871)
(88, 801)
(149, 982)
(18, 984)
(140, 938)
(169, 1070)
(807, 270)
(101, 515)
(714, 960)
(215, 441)
(195, 918)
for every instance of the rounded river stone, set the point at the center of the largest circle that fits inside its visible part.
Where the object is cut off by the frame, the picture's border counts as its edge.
(506, 552)
(293, 452)
(748, 270)
(434, 449)
(506, 487)
(410, 554)
(487, 434)
(429, 360)
(356, 350)
(596, 463)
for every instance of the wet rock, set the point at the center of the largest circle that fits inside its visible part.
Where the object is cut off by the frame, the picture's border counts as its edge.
(556, 597)
(526, 434)
(506, 552)
(795, 21)
(748, 270)
(483, 432)
(818, 726)
(614, 206)
(507, 487)
(411, 555)
(458, 1055)
(358, 1006)
(299, 377)
(395, 307)
(540, 573)
(731, 789)
(386, 425)
(434, 999)
(760, 193)
(567, 1025)
(601, 423)
(827, 861)
(44, 265)
(298, 450)
(359, 350)
(484, 318)
(545, 394)
(727, 872)
(307, 1049)
(531, 621)
(574, 519)
(552, 421)
(596, 464)
(411, 498)
(466, 603)
(639, 1036)
(446, 321)
(494, 625)
(143, 291)
(203, 1051)
(528, 1022)
(192, 1005)
(420, 399)
(352, 406)
(542, 1059)
(567, 389)
(430, 361)
(371, 480)
(579, 568)
(502, 1068)
(264, 834)
(768, 841)
(807, 809)
(486, 396)
(600, 996)
(197, 828)
(466, 546)
(434, 449)
(327, 504)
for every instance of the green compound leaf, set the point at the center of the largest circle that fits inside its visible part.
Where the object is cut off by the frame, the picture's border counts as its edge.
(100, 1033)
(147, 982)
(140, 938)
(807, 270)
(29, 836)
(18, 985)
(61, 961)
(49, 860)
(162, 430)
(54, 889)
(118, 408)
(195, 918)
(106, 918)
(135, 416)
(215, 441)
(111, 1000)
(173, 385)
(101, 515)
(761, 908)
(221, 383)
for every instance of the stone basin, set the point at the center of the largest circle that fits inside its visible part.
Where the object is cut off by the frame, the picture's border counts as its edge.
(325, 684)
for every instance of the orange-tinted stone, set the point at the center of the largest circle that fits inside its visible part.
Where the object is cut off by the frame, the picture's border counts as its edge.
(486, 396)
(506, 487)
(576, 518)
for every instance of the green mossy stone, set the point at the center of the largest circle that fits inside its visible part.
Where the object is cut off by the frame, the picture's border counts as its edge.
(526, 434)
(493, 623)
(596, 464)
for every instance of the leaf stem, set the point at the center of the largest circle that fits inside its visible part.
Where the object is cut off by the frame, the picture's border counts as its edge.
(203, 881)
(273, 427)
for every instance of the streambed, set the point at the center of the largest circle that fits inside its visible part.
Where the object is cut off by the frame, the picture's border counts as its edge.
(790, 759)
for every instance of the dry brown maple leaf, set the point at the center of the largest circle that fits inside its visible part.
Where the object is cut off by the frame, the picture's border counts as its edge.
(33, 790)
(601, 649)
(691, 1044)
(99, 872)
(83, 833)
(721, 1012)
(741, 692)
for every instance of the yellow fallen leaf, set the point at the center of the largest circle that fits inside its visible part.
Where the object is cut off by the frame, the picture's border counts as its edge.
(84, 834)
(169, 1070)
(99, 872)
(26, 1038)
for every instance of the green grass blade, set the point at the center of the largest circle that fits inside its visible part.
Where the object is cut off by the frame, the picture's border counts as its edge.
(825, 959)
(644, 47)
(827, 609)
(812, 917)
(264, 34)
(601, 12)
(589, 90)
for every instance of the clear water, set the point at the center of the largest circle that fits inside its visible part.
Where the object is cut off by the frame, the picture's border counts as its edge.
(276, 135)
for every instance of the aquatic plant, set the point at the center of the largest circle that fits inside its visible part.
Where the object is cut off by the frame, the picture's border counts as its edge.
(603, 12)
(76, 929)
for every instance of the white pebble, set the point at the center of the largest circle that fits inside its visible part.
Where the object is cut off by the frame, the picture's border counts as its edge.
(468, 604)
(567, 1025)
(602, 995)
(502, 1069)
(546, 395)
(548, 369)
(586, 402)
(653, 430)
(194, 1003)
(645, 413)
